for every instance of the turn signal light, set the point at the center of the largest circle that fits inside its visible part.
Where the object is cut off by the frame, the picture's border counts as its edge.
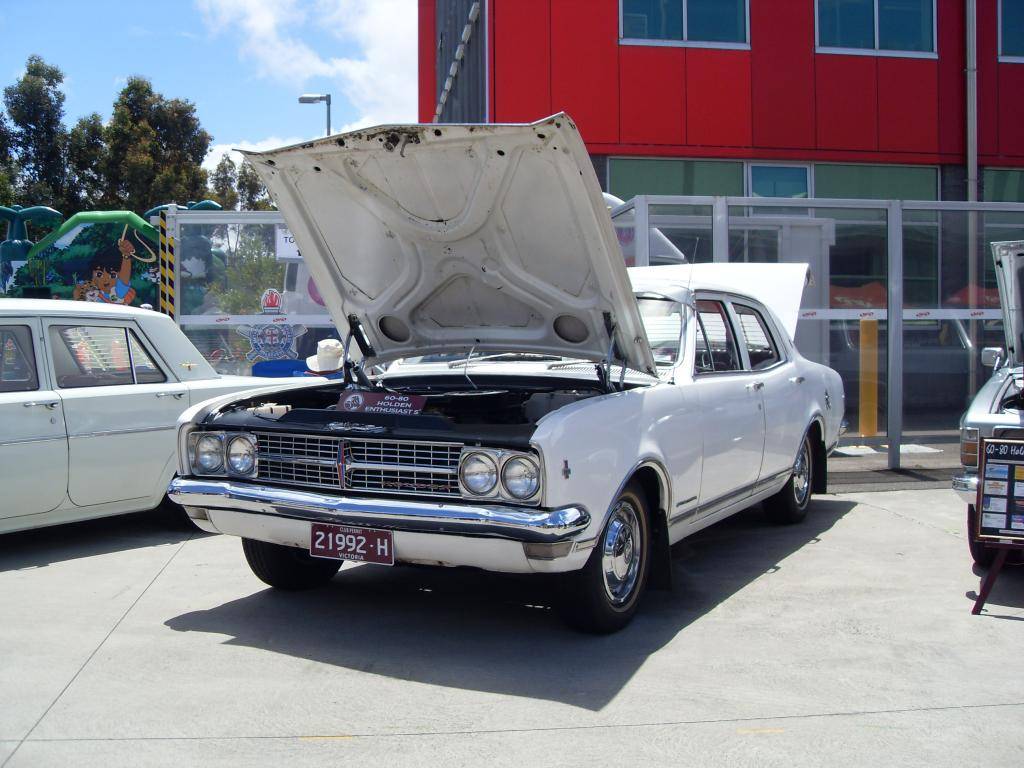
(969, 447)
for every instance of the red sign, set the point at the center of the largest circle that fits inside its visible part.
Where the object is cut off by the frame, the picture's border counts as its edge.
(342, 542)
(381, 402)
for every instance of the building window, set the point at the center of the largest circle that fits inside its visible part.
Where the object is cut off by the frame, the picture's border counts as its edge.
(682, 22)
(779, 181)
(898, 27)
(1011, 30)
(629, 177)
(1003, 186)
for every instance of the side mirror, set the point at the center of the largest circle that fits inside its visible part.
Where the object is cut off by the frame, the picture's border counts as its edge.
(991, 356)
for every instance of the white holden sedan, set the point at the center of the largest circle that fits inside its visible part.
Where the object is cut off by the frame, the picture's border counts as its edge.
(90, 395)
(545, 411)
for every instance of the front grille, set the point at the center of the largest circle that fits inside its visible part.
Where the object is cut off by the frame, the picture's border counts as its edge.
(359, 464)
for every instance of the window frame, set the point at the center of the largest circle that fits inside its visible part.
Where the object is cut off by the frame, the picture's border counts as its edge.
(1003, 57)
(727, 315)
(55, 326)
(31, 357)
(770, 330)
(686, 43)
(876, 51)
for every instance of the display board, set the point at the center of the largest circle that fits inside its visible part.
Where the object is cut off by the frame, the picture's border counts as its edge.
(1001, 491)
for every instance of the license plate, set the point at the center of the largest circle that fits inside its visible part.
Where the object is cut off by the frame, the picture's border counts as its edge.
(342, 542)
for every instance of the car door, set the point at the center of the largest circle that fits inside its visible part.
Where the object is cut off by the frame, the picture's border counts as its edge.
(121, 405)
(782, 393)
(731, 412)
(33, 440)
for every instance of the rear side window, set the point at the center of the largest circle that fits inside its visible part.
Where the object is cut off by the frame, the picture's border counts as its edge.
(17, 359)
(98, 356)
(760, 348)
(716, 347)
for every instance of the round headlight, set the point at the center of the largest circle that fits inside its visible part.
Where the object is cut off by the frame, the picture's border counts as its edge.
(479, 474)
(241, 455)
(521, 477)
(209, 453)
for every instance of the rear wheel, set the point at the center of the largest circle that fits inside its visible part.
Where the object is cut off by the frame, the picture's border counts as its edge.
(982, 555)
(602, 596)
(790, 504)
(287, 568)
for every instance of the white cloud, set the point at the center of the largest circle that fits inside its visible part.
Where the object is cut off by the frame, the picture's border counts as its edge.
(217, 151)
(378, 80)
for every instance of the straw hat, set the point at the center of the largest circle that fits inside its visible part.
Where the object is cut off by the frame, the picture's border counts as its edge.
(327, 359)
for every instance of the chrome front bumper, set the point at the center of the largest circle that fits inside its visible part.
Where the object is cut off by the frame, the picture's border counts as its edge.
(525, 524)
(966, 484)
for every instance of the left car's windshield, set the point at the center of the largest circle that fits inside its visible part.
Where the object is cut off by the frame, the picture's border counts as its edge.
(663, 321)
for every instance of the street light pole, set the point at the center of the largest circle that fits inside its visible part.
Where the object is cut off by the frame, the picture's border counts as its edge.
(313, 98)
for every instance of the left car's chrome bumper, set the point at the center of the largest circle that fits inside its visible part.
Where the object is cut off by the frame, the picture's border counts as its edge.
(966, 484)
(494, 537)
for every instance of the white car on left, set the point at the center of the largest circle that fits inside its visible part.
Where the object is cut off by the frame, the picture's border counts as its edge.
(90, 395)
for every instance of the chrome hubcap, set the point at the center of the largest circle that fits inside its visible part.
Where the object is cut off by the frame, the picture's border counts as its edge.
(621, 553)
(802, 475)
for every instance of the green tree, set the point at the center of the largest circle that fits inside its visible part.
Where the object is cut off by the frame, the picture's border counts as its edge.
(35, 104)
(251, 270)
(87, 157)
(252, 195)
(223, 183)
(155, 149)
(8, 168)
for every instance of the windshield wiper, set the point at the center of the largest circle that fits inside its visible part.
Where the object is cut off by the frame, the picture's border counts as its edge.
(503, 356)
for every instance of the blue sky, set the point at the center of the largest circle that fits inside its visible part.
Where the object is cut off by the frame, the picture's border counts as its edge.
(243, 63)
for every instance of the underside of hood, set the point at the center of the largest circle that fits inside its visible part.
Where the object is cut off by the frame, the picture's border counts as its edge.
(1009, 260)
(447, 238)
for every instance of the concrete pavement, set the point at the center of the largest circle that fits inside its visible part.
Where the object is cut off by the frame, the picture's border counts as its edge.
(844, 641)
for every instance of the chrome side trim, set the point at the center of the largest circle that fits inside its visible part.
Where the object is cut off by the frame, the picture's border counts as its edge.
(507, 522)
(26, 440)
(109, 432)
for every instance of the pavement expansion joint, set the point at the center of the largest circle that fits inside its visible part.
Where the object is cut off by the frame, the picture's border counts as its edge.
(92, 655)
(547, 729)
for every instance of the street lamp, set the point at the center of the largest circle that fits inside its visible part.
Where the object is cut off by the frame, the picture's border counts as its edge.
(313, 98)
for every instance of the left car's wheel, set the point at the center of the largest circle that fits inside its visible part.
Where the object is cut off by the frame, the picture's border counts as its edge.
(790, 504)
(288, 568)
(602, 596)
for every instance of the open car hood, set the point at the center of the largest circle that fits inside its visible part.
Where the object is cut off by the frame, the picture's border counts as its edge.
(1009, 259)
(447, 238)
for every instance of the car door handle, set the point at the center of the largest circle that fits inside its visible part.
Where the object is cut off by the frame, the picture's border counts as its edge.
(798, 379)
(176, 395)
(756, 386)
(51, 404)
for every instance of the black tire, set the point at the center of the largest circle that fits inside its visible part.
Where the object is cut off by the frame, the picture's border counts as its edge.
(587, 602)
(789, 505)
(980, 554)
(288, 568)
(176, 515)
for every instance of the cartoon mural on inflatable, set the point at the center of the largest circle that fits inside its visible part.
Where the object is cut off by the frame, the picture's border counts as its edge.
(105, 256)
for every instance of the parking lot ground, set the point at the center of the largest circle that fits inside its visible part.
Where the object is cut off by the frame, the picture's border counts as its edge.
(845, 641)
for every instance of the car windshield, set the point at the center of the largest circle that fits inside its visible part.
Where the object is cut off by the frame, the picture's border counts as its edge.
(663, 321)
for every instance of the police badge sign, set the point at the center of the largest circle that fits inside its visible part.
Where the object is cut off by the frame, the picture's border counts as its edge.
(271, 341)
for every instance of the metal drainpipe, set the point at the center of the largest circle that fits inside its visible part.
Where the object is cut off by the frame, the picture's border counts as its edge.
(973, 273)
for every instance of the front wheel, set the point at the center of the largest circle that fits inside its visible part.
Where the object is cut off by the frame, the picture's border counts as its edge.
(602, 596)
(288, 568)
(789, 505)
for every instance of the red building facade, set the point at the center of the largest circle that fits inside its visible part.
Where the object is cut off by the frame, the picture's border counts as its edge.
(775, 97)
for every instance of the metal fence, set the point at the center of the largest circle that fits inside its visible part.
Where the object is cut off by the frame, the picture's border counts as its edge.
(901, 301)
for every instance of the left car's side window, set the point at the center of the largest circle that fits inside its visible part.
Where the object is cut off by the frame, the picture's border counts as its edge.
(17, 359)
(90, 356)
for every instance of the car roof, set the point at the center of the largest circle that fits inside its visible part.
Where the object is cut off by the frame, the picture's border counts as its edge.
(76, 308)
